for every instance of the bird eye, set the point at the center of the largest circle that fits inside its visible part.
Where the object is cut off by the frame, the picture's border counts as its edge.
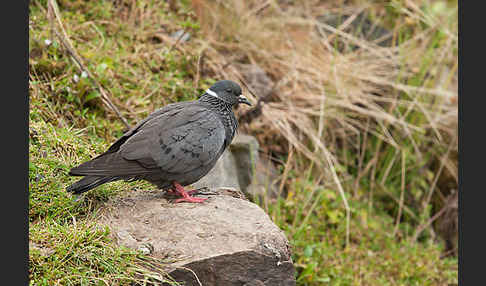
(228, 89)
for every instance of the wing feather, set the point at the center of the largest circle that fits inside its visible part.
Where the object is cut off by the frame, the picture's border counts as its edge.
(177, 143)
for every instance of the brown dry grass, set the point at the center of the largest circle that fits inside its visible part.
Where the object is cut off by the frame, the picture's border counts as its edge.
(326, 100)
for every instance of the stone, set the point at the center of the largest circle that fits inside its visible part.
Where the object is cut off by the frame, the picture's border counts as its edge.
(224, 241)
(181, 35)
(245, 150)
(223, 175)
(266, 181)
(242, 168)
(257, 79)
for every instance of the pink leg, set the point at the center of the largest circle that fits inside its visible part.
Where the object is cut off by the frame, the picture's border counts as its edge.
(186, 195)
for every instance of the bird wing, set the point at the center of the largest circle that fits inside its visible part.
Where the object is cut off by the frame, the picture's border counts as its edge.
(170, 109)
(177, 141)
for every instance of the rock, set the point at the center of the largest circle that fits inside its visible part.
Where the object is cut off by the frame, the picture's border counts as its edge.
(242, 168)
(245, 150)
(223, 175)
(260, 84)
(242, 268)
(257, 175)
(257, 79)
(181, 35)
(126, 238)
(267, 181)
(224, 241)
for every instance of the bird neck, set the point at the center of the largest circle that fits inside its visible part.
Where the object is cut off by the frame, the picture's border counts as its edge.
(225, 110)
(216, 103)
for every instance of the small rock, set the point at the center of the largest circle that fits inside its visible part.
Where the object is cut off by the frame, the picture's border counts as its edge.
(146, 248)
(223, 175)
(184, 36)
(126, 239)
(241, 167)
(257, 79)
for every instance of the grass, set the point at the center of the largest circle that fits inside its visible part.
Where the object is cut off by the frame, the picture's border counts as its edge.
(66, 246)
(374, 255)
(365, 136)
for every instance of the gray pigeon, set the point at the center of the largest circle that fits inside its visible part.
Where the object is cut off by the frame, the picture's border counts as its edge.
(173, 147)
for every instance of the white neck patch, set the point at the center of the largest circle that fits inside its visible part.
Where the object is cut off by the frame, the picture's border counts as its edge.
(212, 93)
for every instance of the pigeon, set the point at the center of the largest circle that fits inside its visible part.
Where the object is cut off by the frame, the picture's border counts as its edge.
(173, 147)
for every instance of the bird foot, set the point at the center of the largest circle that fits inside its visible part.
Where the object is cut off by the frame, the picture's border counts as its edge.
(186, 195)
(191, 200)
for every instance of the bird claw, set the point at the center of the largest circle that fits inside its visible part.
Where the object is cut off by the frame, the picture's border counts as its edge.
(201, 191)
(186, 195)
(190, 200)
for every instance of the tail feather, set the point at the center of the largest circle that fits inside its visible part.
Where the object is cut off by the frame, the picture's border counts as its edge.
(108, 165)
(89, 182)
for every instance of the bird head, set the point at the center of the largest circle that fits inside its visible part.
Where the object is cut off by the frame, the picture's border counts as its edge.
(228, 91)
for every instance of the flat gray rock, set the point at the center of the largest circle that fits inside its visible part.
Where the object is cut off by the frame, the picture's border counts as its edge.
(224, 174)
(242, 168)
(225, 241)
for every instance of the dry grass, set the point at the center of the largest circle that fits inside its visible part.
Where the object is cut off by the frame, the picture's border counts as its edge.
(328, 102)
(317, 85)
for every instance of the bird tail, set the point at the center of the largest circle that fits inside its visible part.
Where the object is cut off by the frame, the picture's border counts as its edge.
(110, 165)
(89, 182)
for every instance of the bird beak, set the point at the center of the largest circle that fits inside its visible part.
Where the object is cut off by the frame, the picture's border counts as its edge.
(244, 100)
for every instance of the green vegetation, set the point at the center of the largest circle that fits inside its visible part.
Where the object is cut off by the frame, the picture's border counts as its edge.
(66, 246)
(366, 137)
